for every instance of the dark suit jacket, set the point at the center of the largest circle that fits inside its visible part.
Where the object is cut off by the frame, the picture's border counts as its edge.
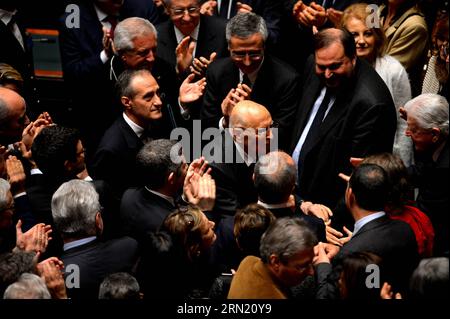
(276, 87)
(115, 159)
(393, 241)
(142, 211)
(211, 38)
(361, 122)
(95, 261)
(234, 183)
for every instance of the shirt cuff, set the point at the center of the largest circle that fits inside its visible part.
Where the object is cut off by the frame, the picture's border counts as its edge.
(103, 57)
(88, 179)
(35, 171)
(184, 111)
(221, 128)
(19, 195)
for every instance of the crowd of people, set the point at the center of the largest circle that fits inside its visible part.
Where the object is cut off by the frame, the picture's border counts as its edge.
(315, 166)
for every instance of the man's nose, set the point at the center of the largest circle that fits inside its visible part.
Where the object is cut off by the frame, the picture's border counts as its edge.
(328, 73)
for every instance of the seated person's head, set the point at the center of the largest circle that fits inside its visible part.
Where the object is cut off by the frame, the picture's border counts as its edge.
(120, 285)
(250, 223)
(10, 78)
(58, 152)
(368, 188)
(161, 165)
(275, 175)
(76, 210)
(6, 205)
(397, 176)
(12, 265)
(354, 274)
(28, 286)
(430, 279)
(287, 249)
(135, 41)
(190, 230)
(13, 117)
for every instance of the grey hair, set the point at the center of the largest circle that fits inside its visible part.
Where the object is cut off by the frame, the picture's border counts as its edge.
(4, 189)
(28, 286)
(244, 25)
(128, 30)
(120, 285)
(74, 207)
(4, 110)
(275, 175)
(429, 110)
(125, 81)
(286, 237)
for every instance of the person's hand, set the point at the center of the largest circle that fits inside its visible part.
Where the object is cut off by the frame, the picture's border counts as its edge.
(107, 42)
(242, 92)
(185, 54)
(191, 92)
(333, 235)
(335, 16)
(318, 210)
(297, 12)
(315, 14)
(387, 293)
(199, 65)
(51, 271)
(16, 175)
(35, 239)
(331, 250)
(344, 240)
(201, 191)
(320, 255)
(403, 113)
(207, 8)
(243, 7)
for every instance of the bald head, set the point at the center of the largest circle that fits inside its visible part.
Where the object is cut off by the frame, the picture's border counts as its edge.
(248, 114)
(12, 116)
(275, 175)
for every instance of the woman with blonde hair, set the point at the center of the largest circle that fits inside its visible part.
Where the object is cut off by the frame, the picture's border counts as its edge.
(370, 43)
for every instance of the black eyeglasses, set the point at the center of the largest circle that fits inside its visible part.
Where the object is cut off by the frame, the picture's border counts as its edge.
(179, 12)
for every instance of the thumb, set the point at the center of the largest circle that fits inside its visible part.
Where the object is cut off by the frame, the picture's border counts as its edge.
(19, 228)
(191, 47)
(212, 57)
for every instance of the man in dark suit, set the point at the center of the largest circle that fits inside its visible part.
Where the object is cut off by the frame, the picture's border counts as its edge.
(250, 74)
(274, 178)
(77, 214)
(86, 53)
(235, 152)
(206, 36)
(115, 159)
(345, 111)
(392, 240)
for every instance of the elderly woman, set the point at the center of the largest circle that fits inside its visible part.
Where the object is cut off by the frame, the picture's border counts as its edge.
(369, 46)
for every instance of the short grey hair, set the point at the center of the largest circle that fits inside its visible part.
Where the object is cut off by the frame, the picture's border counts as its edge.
(244, 25)
(429, 110)
(4, 190)
(119, 285)
(74, 207)
(28, 286)
(285, 238)
(128, 30)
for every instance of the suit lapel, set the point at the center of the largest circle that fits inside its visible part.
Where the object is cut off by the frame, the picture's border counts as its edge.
(11, 39)
(131, 138)
(169, 41)
(205, 36)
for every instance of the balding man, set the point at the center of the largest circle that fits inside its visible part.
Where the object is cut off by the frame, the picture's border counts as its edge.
(345, 111)
(235, 153)
(13, 117)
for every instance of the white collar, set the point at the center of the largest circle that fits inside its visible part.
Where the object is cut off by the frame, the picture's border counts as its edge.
(168, 198)
(136, 128)
(365, 220)
(274, 206)
(180, 36)
(79, 242)
(6, 16)
(100, 14)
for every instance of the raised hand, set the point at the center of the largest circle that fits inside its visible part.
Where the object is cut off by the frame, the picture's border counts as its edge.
(51, 270)
(242, 92)
(185, 54)
(16, 175)
(335, 16)
(243, 7)
(208, 7)
(199, 65)
(35, 239)
(191, 92)
(107, 42)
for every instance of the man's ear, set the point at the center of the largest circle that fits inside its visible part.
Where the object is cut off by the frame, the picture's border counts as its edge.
(126, 102)
(274, 262)
(68, 166)
(99, 223)
(171, 178)
(436, 133)
(349, 197)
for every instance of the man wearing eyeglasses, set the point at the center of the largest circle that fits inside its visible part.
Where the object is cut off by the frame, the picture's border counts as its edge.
(250, 74)
(188, 34)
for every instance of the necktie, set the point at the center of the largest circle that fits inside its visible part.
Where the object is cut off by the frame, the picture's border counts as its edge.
(113, 21)
(224, 9)
(246, 80)
(313, 132)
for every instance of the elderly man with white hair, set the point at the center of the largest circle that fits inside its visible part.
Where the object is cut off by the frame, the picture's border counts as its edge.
(427, 126)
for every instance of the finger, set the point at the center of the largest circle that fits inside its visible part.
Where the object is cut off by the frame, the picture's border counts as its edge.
(317, 7)
(183, 45)
(349, 233)
(212, 57)
(19, 228)
(333, 240)
(334, 232)
(28, 129)
(356, 161)
(344, 177)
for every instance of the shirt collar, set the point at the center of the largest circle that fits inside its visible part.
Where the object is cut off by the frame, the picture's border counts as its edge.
(274, 206)
(136, 128)
(193, 35)
(252, 76)
(6, 16)
(365, 220)
(168, 198)
(100, 14)
(79, 242)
